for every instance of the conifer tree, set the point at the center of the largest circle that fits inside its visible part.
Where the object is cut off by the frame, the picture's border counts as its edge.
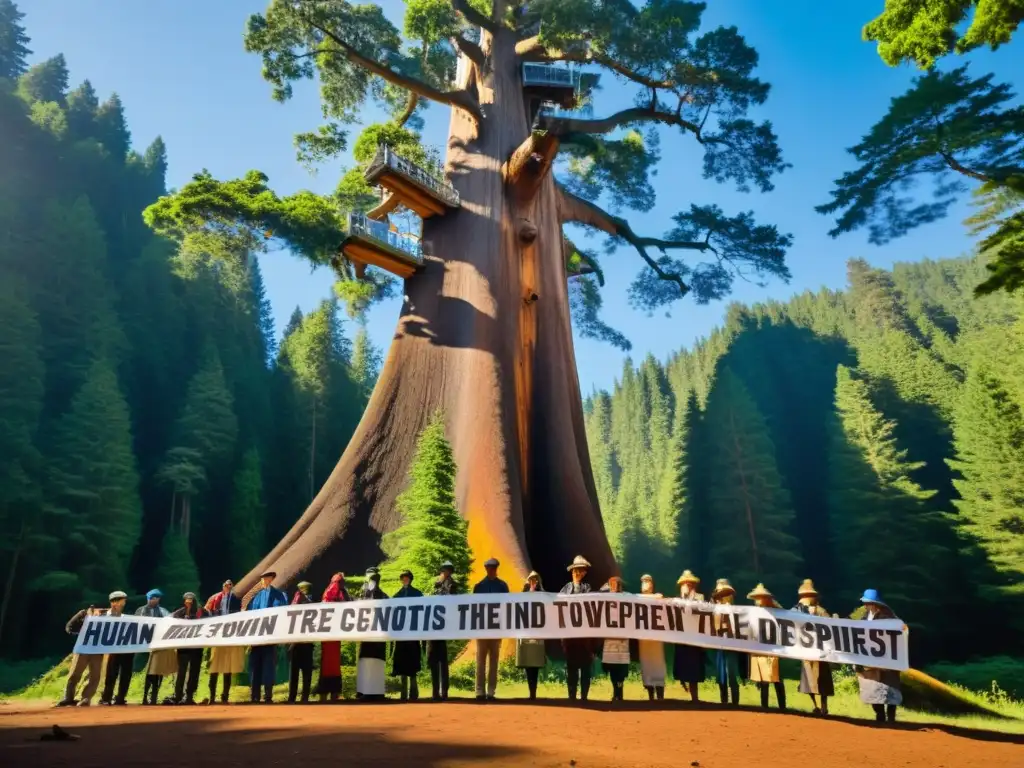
(45, 81)
(207, 423)
(432, 530)
(83, 105)
(112, 128)
(749, 514)
(13, 48)
(366, 360)
(176, 571)
(247, 515)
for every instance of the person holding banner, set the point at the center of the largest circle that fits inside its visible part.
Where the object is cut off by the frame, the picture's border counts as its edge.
(329, 683)
(579, 651)
(879, 687)
(437, 650)
(815, 676)
(407, 659)
(225, 661)
(487, 650)
(189, 659)
(370, 671)
(615, 652)
(764, 670)
(119, 665)
(727, 663)
(530, 655)
(82, 663)
(301, 662)
(161, 663)
(688, 661)
(652, 652)
(263, 658)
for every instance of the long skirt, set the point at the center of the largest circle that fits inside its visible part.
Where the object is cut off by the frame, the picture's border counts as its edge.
(880, 686)
(407, 659)
(652, 663)
(330, 668)
(227, 660)
(764, 669)
(370, 677)
(163, 663)
(816, 678)
(688, 664)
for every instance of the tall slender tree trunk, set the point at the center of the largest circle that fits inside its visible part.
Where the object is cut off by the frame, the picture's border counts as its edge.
(12, 571)
(312, 454)
(472, 341)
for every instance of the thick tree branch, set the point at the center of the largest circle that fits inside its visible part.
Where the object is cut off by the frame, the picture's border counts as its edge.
(955, 165)
(410, 107)
(564, 127)
(386, 206)
(530, 162)
(575, 209)
(458, 98)
(472, 51)
(474, 16)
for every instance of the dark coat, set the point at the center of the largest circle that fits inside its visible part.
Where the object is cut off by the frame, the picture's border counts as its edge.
(490, 587)
(407, 659)
(438, 649)
(579, 651)
(197, 613)
(373, 650)
(74, 625)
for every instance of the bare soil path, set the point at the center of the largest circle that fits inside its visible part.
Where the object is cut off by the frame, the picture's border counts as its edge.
(459, 734)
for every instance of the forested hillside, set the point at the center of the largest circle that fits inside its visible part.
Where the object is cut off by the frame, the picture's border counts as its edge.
(865, 438)
(152, 430)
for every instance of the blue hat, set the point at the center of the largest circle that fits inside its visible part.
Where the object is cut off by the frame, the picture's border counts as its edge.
(154, 593)
(872, 596)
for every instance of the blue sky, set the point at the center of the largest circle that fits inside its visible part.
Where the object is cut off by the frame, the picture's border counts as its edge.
(182, 73)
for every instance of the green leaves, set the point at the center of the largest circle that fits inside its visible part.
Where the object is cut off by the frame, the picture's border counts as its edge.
(327, 142)
(620, 167)
(584, 306)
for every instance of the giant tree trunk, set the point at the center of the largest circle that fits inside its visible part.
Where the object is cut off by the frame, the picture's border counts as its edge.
(472, 342)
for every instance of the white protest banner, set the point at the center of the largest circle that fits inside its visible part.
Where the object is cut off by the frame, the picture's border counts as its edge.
(545, 616)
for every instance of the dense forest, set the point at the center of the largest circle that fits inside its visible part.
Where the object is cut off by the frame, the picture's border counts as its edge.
(866, 438)
(153, 431)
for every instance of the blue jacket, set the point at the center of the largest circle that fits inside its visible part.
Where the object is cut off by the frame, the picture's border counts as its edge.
(268, 597)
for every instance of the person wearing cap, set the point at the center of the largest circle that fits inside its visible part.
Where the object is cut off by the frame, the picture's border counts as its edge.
(370, 672)
(407, 659)
(530, 654)
(329, 684)
(727, 663)
(225, 661)
(764, 670)
(487, 651)
(579, 651)
(879, 687)
(161, 663)
(82, 663)
(815, 676)
(688, 660)
(263, 658)
(301, 654)
(190, 660)
(652, 652)
(437, 650)
(119, 665)
(615, 651)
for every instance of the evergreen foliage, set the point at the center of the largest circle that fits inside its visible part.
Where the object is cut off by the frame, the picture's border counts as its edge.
(247, 516)
(176, 571)
(13, 48)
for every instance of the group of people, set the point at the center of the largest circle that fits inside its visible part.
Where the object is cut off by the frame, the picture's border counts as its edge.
(879, 688)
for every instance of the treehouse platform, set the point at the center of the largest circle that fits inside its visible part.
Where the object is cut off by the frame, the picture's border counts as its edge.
(370, 242)
(417, 189)
(553, 83)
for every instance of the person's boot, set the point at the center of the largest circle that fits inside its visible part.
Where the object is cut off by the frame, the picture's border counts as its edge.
(824, 706)
(723, 693)
(763, 689)
(659, 690)
(735, 687)
(780, 696)
(879, 713)
(225, 696)
(650, 692)
(414, 689)
(268, 694)
(890, 713)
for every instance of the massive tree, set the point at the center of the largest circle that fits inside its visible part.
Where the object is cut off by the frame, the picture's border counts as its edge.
(484, 333)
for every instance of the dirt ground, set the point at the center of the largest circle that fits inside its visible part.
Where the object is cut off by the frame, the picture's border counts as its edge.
(509, 733)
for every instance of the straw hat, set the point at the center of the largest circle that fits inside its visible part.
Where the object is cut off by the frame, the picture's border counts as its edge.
(807, 589)
(305, 584)
(722, 588)
(578, 562)
(760, 591)
(688, 578)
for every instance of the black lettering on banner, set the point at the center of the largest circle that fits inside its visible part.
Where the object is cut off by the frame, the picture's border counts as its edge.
(230, 627)
(308, 621)
(704, 624)
(363, 621)
(672, 619)
(381, 616)
(742, 626)
(212, 630)
(246, 625)
(877, 644)
(642, 616)
(326, 614)
(438, 618)
(146, 633)
(575, 614)
(894, 638)
(625, 612)
(476, 616)
(129, 633)
(508, 614)
(493, 616)
(293, 616)
(786, 631)
(767, 631)
(268, 625)
(561, 614)
(538, 616)
(677, 611)
(398, 619)
(610, 607)
(462, 616)
(348, 623)
(656, 618)
(844, 633)
(414, 612)
(110, 633)
(858, 641)
(93, 634)
(725, 626)
(823, 634)
(522, 615)
(806, 635)
(592, 609)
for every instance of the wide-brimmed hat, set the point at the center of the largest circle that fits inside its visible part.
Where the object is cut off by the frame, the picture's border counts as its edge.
(872, 596)
(154, 593)
(722, 588)
(188, 595)
(302, 584)
(117, 594)
(688, 577)
(228, 583)
(578, 562)
(372, 571)
(268, 574)
(405, 573)
(806, 589)
(647, 577)
(533, 575)
(491, 562)
(760, 591)
(447, 566)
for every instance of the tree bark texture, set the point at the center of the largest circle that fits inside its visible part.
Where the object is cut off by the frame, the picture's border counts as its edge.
(484, 335)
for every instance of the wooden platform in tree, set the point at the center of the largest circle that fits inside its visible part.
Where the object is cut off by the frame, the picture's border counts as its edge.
(371, 243)
(419, 191)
